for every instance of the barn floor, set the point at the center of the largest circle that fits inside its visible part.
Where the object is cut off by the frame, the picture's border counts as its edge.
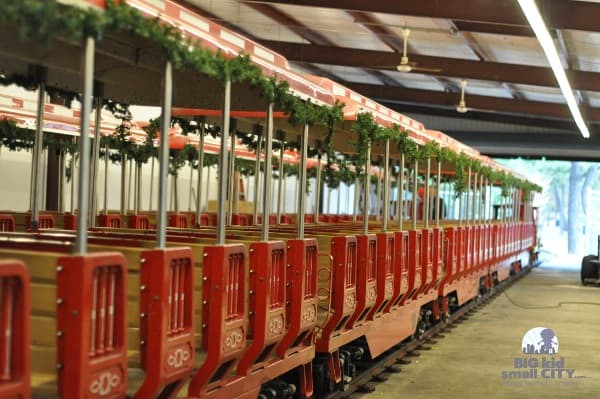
(470, 360)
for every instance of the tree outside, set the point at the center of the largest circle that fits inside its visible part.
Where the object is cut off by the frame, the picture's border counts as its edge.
(568, 205)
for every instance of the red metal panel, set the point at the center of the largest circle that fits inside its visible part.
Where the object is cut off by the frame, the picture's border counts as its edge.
(301, 306)
(426, 261)
(166, 321)
(240, 219)
(310, 218)
(91, 324)
(342, 294)
(7, 223)
(415, 247)
(452, 243)
(138, 222)
(70, 221)
(400, 268)
(178, 220)
(45, 221)
(438, 256)
(267, 303)
(366, 279)
(385, 273)
(109, 220)
(15, 333)
(224, 316)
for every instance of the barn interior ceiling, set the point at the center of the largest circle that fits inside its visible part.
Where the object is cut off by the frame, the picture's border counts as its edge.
(413, 57)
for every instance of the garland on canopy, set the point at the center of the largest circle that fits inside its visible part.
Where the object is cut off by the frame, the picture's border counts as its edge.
(44, 20)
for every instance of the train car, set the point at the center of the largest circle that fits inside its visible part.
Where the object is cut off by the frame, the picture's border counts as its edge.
(199, 304)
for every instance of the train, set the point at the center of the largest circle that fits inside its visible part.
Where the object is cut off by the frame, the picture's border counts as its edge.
(101, 303)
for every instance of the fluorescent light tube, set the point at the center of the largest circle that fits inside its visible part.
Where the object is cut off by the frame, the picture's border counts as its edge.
(541, 32)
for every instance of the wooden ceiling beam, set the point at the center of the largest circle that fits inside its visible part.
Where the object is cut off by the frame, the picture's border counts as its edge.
(481, 103)
(559, 14)
(450, 67)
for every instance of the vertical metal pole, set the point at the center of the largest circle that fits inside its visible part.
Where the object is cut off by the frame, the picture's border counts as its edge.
(481, 198)
(163, 160)
(151, 195)
(302, 182)
(400, 203)
(468, 199)
(366, 191)
(200, 173)
(339, 198)
(36, 176)
(268, 175)
(426, 213)
(61, 183)
(123, 183)
(257, 179)
(95, 164)
(83, 188)
(318, 192)
(207, 196)
(232, 181)
(378, 197)
(280, 183)
(222, 196)
(474, 198)
(191, 187)
(438, 198)
(130, 170)
(415, 194)
(386, 187)
(356, 195)
(106, 156)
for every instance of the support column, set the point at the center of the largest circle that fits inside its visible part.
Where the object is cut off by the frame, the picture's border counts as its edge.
(386, 186)
(163, 165)
(36, 176)
(302, 182)
(83, 188)
(267, 198)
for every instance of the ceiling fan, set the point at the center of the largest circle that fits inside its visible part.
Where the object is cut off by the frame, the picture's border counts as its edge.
(406, 65)
(462, 104)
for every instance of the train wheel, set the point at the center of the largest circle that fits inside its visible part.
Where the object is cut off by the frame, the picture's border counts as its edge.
(589, 269)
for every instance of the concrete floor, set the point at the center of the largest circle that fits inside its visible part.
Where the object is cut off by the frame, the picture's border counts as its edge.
(468, 362)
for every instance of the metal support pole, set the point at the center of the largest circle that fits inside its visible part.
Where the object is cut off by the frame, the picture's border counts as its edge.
(257, 179)
(415, 194)
(400, 202)
(438, 198)
(386, 187)
(366, 184)
(474, 204)
(378, 197)
(280, 183)
(468, 199)
(222, 196)
(36, 176)
(356, 195)
(123, 183)
(426, 213)
(302, 182)
(83, 188)
(163, 160)
(318, 192)
(267, 198)
(231, 178)
(95, 163)
(106, 156)
(200, 173)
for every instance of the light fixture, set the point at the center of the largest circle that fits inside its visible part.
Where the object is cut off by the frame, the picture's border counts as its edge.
(404, 66)
(541, 32)
(462, 104)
